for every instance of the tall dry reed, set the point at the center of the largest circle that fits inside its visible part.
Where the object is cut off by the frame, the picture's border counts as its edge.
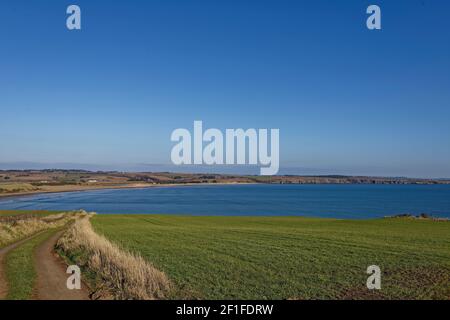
(125, 275)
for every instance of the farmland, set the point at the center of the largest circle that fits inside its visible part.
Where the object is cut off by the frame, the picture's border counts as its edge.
(24, 182)
(288, 257)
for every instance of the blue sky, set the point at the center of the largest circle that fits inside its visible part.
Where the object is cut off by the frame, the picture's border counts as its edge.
(346, 100)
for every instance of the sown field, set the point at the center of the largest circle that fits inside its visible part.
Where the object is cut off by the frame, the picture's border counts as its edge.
(288, 257)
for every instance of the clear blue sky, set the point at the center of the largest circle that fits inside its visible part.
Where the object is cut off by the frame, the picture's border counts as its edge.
(346, 100)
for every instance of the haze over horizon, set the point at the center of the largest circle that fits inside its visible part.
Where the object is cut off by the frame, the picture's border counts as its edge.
(346, 100)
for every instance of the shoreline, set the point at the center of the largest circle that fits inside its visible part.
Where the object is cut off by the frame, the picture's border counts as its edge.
(116, 187)
(72, 188)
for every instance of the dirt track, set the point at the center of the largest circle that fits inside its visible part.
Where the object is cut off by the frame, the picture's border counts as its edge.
(3, 252)
(51, 274)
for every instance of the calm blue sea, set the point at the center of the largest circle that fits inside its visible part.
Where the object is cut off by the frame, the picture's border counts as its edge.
(334, 201)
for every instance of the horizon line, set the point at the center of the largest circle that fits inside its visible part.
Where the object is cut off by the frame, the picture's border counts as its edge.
(223, 173)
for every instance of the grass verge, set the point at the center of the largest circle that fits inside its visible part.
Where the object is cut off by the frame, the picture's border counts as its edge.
(19, 268)
(111, 270)
(15, 227)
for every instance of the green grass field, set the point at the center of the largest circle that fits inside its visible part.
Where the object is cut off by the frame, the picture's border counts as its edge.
(289, 257)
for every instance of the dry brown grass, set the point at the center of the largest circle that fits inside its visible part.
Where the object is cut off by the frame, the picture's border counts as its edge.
(125, 275)
(17, 229)
(16, 187)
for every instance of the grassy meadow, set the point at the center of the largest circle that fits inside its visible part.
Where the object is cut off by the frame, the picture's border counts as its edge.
(288, 257)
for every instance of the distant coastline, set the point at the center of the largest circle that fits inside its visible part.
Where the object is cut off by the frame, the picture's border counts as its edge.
(15, 183)
(69, 188)
(339, 201)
